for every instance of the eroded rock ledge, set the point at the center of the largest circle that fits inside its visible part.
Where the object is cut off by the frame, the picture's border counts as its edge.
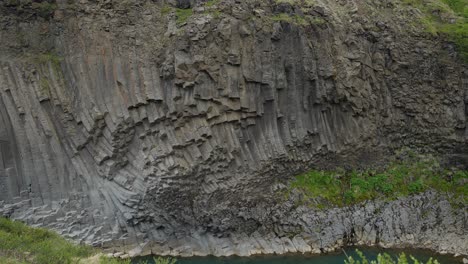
(122, 124)
(424, 221)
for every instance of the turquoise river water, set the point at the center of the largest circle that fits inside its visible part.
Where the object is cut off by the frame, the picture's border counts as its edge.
(335, 258)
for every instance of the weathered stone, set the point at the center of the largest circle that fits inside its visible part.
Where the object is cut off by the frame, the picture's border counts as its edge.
(122, 129)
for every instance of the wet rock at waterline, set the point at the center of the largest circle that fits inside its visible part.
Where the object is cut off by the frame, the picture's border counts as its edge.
(147, 128)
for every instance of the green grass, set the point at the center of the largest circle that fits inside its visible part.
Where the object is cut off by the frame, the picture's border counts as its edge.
(447, 18)
(21, 244)
(401, 178)
(166, 9)
(183, 15)
(211, 3)
(5, 260)
(44, 59)
(459, 6)
(282, 17)
(160, 260)
(44, 85)
(386, 259)
(299, 18)
(211, 8)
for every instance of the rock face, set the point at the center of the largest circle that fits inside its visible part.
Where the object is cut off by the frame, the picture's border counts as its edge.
(123, 125)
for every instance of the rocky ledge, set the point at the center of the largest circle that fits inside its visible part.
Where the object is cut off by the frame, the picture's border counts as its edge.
(427, 221)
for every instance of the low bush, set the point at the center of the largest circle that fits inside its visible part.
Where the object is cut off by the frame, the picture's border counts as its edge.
(386, 259)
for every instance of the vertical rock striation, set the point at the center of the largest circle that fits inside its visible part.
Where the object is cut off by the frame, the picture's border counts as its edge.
(121, 125)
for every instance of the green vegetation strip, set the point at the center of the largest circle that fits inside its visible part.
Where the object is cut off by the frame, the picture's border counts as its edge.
(20, 244)
(401, 178)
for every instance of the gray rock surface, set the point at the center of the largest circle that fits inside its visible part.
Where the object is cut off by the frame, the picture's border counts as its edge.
(122, 126)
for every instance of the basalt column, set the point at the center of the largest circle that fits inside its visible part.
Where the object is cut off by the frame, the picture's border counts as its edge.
(10, 175)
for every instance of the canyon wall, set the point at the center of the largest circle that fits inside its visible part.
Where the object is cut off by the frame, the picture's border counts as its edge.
(168, 127)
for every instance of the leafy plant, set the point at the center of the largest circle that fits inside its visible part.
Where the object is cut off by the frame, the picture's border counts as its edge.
(385, 259)
(107, 260)
(161, 260)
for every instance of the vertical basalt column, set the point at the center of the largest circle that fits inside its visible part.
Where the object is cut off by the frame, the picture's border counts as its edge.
(10, 178)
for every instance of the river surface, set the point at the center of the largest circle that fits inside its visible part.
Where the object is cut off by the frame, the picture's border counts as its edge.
(335, 258)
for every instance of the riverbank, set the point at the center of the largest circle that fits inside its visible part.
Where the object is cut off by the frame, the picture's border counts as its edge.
(427, 220)
(431, 220)
(339, 257)
(20, 244)
(415, 203)
(412, 202)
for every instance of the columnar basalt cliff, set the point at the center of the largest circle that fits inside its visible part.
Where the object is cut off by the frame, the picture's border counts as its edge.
(168, 127)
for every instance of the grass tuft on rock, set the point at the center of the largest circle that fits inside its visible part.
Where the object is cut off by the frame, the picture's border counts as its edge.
(183, 15)
(46, 58)
(447, 18)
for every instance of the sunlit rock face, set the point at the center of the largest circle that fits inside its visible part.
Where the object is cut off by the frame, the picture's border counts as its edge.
(121, 125)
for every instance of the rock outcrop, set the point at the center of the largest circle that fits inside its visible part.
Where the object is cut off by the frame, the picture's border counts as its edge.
(134, 124)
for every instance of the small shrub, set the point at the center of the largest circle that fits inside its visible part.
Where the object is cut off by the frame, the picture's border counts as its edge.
(416, 187)
(107, 260)
(385, 259)
(161, 260)
(44, 9)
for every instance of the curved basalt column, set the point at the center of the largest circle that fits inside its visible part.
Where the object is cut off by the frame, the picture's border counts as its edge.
(133, 130)
(11, 180)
